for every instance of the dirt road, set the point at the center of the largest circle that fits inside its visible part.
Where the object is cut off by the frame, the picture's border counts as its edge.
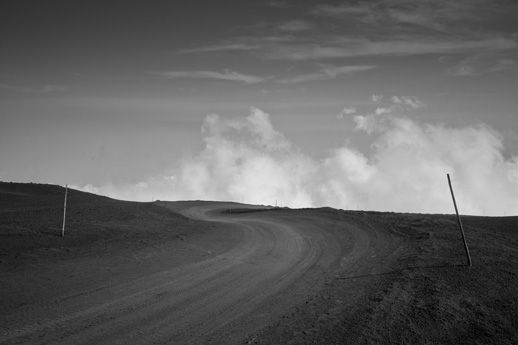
(195, 273)
(273, 260)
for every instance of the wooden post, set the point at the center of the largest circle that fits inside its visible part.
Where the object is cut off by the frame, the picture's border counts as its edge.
(460, 223)
(64, 211)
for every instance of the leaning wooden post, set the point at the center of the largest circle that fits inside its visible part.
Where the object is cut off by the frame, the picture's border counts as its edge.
(460, 223)
(64, 210)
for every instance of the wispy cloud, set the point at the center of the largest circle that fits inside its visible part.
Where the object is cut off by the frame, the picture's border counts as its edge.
(376, 98)
(504, 65)
(253, 42)
(412, 102)
(327, 72)
(346, 111)
(366, 47)
(36, 89)
(397, 104)
(225, 75)
(463, 70)
(360, 11)
(481, 64)
(380, 28)
(414, 27)
(279, 4)
(403, 15)
(274, 91)
(294, 48)
(296, 26)
(226, 46)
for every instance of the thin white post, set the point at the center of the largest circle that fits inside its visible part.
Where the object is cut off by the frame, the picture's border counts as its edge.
(64, 211)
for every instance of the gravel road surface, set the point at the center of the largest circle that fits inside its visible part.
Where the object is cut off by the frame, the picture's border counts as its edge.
(222, 297)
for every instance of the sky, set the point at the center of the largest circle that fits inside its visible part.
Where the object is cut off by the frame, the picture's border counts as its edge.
(348, 104)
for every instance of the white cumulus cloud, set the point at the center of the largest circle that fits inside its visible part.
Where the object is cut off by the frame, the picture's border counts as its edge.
(346, 111)
(248, 159)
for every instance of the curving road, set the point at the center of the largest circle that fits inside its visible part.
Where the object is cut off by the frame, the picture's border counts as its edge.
(279, 257)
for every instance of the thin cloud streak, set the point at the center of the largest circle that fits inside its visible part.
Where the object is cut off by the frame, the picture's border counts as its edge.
(225, 75)
(232, 46)
(364, 47)
(296, 26)
(381, 28)
(252, 42)
(327, 72)
(40, 89)
(480, 64)
(279, 4)
(331, 47)
(429, 16)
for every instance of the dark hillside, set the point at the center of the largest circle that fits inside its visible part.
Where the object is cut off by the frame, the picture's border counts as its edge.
(31, 218)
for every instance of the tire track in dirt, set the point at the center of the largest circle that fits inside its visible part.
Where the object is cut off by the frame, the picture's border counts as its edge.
(222, 299)
(181, 304)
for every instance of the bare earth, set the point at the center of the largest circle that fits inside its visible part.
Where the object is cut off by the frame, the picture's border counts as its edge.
(226, 273)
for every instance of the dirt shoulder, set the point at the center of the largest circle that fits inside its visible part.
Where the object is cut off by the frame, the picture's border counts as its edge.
(424, 295)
